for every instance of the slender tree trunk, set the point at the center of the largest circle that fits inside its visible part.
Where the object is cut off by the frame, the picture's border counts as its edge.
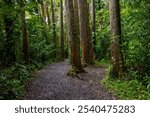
(86, 41)
(44, 27)
(43, 12)
(93, 24)
(115, 38)
(73, 36)
(25, 39)
(62, 29)
(67, 35)
(54, 26)
(48, 14)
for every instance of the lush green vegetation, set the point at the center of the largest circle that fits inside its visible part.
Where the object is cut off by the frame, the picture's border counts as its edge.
(14, 73)
(128, 89)
(135, 22)
(37, 44)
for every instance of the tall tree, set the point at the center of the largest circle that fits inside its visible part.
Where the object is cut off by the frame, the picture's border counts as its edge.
(43, 11)
(73, 36)
(25, 39)
(25, 45)
(115, 25)
(9, 19)
(48, 13)
(54, 26)
(62, 29)
(75, 5)
(85, 35)
(93, 24)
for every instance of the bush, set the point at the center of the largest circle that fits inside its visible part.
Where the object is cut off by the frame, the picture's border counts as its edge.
(12, 81)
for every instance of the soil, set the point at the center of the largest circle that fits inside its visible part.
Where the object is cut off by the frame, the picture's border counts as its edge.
(52, 83)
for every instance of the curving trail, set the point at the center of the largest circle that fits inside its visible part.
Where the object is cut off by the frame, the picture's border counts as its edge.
(52, 83)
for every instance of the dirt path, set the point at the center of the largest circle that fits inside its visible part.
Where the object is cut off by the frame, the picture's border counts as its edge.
(52, 83)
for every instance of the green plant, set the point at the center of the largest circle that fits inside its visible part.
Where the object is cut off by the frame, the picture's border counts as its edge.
(12, 81)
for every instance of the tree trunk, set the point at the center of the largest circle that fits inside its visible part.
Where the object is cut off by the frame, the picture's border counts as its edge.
(87, 47)
(54, 27)
(25, 39)
(93, 25)
(48, 14)
(9, 30)
(115, 38)
(75, 5)
(73, 36)
(43, 12)
(62, 29)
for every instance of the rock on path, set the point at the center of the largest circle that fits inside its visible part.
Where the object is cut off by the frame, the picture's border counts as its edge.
(52, 83)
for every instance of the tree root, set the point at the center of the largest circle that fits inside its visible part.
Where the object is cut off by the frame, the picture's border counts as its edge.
(74, 71)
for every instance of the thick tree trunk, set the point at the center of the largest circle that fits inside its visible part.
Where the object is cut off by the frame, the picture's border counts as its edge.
(54, 27)
(25, 39)
(115, 37)
(85, 35)
(62, 29)
(73, 36)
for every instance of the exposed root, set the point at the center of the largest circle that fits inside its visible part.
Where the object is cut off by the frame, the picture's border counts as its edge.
(74, 71)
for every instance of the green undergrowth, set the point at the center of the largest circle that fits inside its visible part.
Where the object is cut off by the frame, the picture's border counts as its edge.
(102, 63)
(125, 89)
(14, 79)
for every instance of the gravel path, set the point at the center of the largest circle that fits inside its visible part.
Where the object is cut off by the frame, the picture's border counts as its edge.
(52, 83)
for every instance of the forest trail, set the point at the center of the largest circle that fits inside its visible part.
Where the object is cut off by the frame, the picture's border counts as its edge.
(52, 83)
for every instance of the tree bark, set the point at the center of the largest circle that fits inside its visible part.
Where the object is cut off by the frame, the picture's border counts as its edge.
(43, 12)
(25, 39)
(93, 24)
(54, 27)
(115, 24)
(86, 41)
(62, 29)
(48, 14)
(73, 36)
(76, 11)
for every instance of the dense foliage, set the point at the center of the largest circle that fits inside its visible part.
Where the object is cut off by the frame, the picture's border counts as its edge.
(13, 71)
(135, 44)
(135, 24)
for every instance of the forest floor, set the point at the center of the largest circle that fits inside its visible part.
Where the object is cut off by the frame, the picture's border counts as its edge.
(52, 83)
